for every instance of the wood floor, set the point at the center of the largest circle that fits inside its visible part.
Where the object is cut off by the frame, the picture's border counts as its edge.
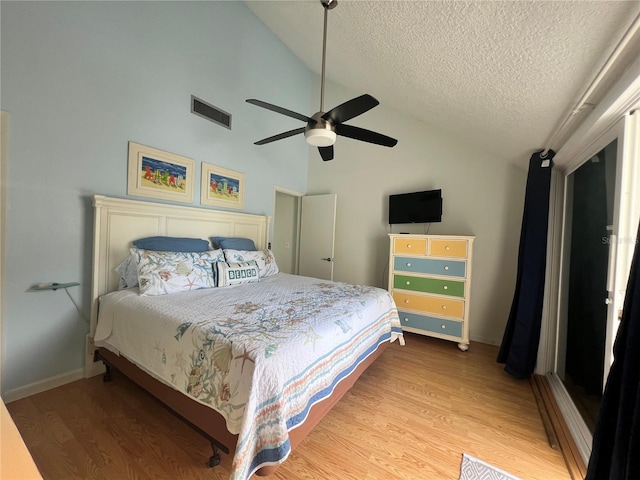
(410, 416)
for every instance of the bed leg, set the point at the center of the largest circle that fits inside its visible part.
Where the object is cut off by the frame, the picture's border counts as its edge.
(214, 459)
(107, 374)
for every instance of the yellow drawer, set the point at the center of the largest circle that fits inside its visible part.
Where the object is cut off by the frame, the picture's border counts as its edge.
(410, 245)
(424, 303)
(448, 248)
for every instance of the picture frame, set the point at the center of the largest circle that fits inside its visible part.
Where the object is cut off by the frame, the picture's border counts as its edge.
(158, 174)
(221, 187)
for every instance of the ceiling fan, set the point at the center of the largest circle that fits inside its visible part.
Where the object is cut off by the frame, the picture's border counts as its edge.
(322, 127)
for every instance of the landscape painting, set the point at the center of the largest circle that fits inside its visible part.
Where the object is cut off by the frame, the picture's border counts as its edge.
(221, 187)
(158, 174)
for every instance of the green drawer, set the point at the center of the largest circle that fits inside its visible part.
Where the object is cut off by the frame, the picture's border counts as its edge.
(451, 288)
(431, 324)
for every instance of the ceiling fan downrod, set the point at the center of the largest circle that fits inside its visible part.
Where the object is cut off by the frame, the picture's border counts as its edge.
(328, 5)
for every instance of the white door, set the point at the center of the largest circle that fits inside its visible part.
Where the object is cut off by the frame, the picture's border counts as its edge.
(317, 236)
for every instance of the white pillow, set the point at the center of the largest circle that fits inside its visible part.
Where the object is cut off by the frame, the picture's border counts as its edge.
(160, 273)
(128, 271)
(235, 273)
(264, 258)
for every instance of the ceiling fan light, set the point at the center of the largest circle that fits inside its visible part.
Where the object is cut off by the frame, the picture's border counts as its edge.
(320, 137)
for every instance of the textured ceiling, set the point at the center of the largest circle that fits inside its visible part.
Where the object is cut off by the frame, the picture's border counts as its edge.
(501, 74)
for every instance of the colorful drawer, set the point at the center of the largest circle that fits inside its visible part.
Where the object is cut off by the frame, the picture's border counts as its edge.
(410, 245)
(435, 325)
(430, 281)
(448, 248)
(430, 266)
(439, 286)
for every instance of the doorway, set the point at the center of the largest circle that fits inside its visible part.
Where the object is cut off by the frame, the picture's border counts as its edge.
(286, 227)
(303, 239)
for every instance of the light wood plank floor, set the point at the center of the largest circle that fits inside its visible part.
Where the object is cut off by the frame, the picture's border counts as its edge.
(410, 416)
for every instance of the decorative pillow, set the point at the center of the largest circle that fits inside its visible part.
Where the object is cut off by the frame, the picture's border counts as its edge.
(233, 243)
(160, 273)
(227, 273)
(264, 258)
(128, 271)
(172, 244)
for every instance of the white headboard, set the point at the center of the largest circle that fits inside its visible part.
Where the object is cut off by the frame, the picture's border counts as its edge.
(117, 222)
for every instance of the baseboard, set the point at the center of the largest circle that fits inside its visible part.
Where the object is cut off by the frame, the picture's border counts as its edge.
(486, 340)
(42, 385)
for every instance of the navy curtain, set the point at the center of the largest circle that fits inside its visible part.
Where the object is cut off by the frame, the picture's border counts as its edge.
(616, 442)
(519, 347)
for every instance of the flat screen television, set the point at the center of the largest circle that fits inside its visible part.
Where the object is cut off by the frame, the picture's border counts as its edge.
(416, 207)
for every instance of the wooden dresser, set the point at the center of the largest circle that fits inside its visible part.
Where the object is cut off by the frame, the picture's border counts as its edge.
(430, 280)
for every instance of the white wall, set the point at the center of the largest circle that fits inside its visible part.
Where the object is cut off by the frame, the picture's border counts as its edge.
(483, 196)
(80, 80)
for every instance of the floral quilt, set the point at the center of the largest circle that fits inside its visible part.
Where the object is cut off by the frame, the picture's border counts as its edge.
(261, 354)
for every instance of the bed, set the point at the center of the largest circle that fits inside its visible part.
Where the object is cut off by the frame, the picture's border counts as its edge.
(253, 366)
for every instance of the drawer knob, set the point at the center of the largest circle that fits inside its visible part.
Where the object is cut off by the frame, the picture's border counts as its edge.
(405, 319)
(408, 245)
(447, 248)
(446, 287)
(408, 264)
(406, 300)
(443, 327)
(446, 267)
(444, 307)
(408, 282)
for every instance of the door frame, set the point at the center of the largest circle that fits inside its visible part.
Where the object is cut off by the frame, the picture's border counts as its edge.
(4, 149)
(620, 228)
(627, 130)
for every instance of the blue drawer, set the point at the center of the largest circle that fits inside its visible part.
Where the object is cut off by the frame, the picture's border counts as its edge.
(452, 268)
(431, 324)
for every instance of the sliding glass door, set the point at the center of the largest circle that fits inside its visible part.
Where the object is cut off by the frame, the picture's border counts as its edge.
(588, 257)
(600, 220)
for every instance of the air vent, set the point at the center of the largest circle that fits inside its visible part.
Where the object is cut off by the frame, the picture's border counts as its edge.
(208, 111)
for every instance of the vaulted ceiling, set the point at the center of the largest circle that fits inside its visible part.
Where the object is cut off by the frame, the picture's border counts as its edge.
(501, 75)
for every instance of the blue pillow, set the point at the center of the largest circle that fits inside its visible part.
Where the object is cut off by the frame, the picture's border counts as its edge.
(172, 244)
(233, 243)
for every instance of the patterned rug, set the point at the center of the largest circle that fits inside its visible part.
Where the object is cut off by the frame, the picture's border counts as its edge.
(474, 469)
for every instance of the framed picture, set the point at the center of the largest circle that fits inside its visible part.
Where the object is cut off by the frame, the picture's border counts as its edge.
(158, 174)
(221, 187)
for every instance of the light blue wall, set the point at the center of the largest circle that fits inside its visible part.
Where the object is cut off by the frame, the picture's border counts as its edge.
(80, 80)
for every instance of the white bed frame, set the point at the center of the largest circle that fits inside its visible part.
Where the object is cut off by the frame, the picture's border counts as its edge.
(119, 221)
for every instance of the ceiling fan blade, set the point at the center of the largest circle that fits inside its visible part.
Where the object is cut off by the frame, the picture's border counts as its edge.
(364, 135)
(280, 136)
(326, 153)
(351, 108)
(277, 109)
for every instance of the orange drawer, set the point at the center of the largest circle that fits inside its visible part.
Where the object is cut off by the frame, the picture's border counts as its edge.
(410, 245)
(423, 303)
(448, 248)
